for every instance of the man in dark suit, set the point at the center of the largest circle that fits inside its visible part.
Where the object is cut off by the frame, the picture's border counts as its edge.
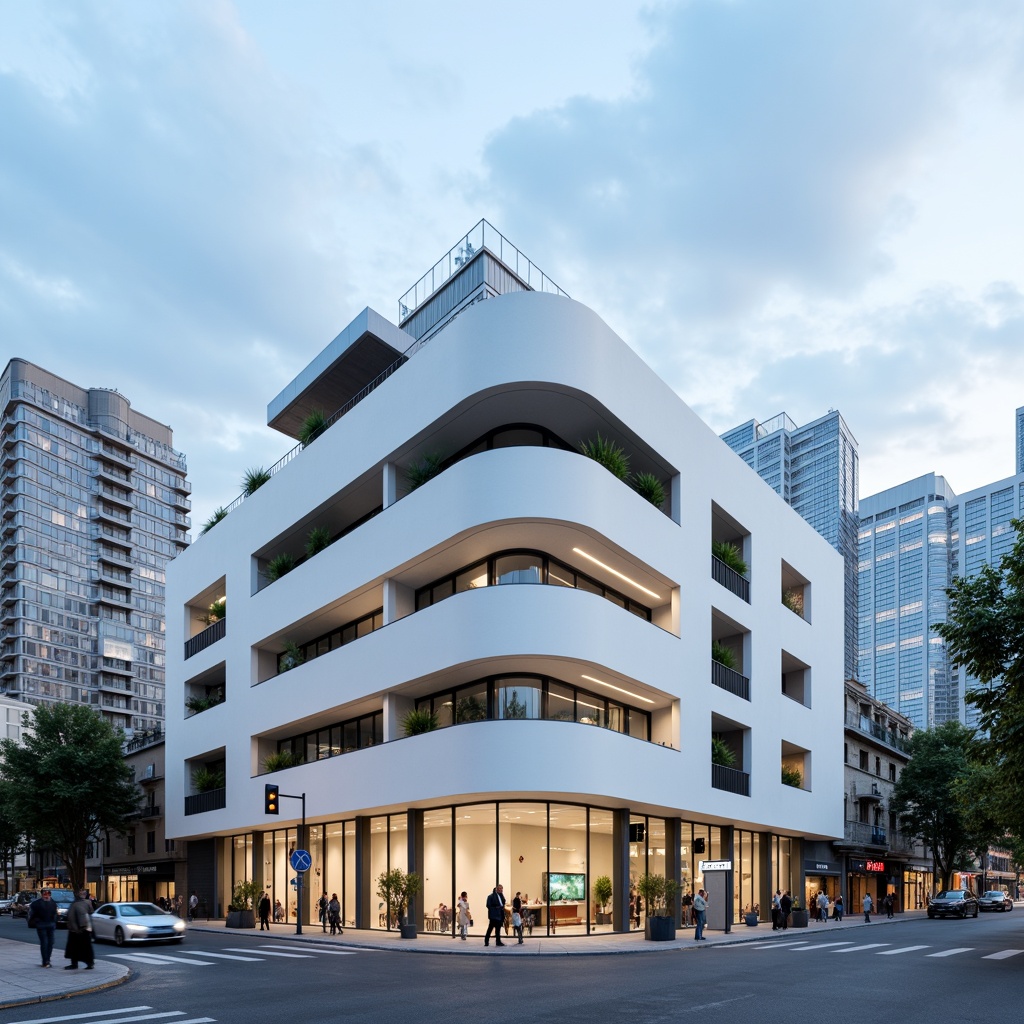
(495, 915)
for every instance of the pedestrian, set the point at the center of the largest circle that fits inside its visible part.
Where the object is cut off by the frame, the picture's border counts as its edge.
(868, 907)
(822, 906)
(263, 909)
(42, 915)
(334, 915)
(193, 905)
(837, 910)
(687, 903)
(322, 905)
(785, 906)
(700, 909)
(495, 915)
(638, 906)
(465, 920)
(888, 902)
(776, 909)
(79, 944)
(517, 917)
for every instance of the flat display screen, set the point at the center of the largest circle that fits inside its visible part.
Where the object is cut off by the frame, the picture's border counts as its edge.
(566, 886)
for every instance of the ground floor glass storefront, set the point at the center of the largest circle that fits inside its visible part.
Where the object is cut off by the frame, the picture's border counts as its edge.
(550, 853)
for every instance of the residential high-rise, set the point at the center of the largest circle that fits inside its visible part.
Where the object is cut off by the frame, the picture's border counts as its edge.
(483, 657)
(93, 499)
(1020, 439)
(815, 469)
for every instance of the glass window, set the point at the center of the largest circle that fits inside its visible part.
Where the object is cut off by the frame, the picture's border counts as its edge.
(438, 896)
(442, 590)
(582, 583)
(351, 736)
(335, 739)
(517, 697)
(590, 710)
(616, 717)
(517, 437)
(524, 568)
(471, 578)
(364, 627)
(638, 725)
(444, 708)
(471, 703)
(561, 703)
(560, 575)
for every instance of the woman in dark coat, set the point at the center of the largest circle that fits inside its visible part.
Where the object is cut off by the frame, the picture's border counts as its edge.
(79, 945)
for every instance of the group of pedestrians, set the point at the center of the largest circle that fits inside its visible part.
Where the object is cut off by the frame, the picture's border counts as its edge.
(42, 915)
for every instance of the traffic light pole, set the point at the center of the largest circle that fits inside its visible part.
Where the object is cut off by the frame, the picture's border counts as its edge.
(302, 846)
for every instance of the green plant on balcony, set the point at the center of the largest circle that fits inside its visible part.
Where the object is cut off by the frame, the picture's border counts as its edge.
(199, 704)
(723, 655)
(316, 540)
(792, 776)
(291, 657)
(422, 470)
(254, 479)
(608, 454)
(730, 555)
(648, 486)
(793, 599)
(280, 565)
(218, 610)
(721, 753)
(205, 779)
(312, 427)
(218, 515)
(279, 760)
(419, 720)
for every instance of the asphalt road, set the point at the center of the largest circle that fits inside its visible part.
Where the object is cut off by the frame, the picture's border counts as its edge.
(927, 971)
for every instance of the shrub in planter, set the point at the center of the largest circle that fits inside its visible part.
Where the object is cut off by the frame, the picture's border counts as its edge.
(397, 889)
(602, 891)
(723, 655)
(254, 479)
(792, 776)
(648, 486)
(291, 657)
(280, 565)
(608, 454)
(205, 779)
(316, 540)
(418, 721)
(659, 894)
(279, 760)
(730, 554)
(721, 753)
(218, 515)
(312, 427)
(423, 470)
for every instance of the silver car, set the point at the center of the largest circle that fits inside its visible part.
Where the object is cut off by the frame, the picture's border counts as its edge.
(122, 923)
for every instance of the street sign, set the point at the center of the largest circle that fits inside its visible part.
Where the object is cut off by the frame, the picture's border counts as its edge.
(300, 860)
(714, 865)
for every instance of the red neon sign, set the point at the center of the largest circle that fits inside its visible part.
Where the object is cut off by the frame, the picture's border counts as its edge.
(876, 865)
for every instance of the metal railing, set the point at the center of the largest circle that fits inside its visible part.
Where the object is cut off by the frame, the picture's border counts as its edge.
(729, 679)
(214, 632)
(212, 800)
(732, 780)
(865, 834)
(873, 729)
(730, 579)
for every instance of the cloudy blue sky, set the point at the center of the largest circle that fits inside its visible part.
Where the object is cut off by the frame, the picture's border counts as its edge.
(781, 205)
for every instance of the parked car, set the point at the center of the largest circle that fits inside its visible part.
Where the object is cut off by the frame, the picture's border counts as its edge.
(19, 907)
(121, 923)
(953, 903)
(995, 899)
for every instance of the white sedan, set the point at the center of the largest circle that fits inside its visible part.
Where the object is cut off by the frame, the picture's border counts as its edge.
(121, 923)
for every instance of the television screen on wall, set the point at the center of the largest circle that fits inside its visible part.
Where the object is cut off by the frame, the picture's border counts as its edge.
(566, 886)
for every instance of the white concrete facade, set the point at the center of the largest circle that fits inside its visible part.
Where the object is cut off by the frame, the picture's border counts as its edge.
(519, 358)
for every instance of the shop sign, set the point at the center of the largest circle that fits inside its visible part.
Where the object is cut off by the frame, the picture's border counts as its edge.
(868, 867)
(817, 867)
(714, 865)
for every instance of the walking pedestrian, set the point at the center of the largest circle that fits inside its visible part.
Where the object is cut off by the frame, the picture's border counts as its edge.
(785, 906)
(334, 915)
(263, 908)
(322, 904)
(837, 910)
(42, 915)
(700, 909)
(517, 917)
(79, 944)
(776, 910)
(193, 905)
(687, 903)
(495, 915)
(822, 906)
(868, 907)
(462, 907)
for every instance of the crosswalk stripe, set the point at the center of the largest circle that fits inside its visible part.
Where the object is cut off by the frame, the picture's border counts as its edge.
(317, 950)
(952, 952)
(769, 945)
(902, 949)
(152, 958)
(198, 1020)
(822, 945)
(857, 949)
(1003, 954)
(81, 1016)
(229, 956)
(267, 952)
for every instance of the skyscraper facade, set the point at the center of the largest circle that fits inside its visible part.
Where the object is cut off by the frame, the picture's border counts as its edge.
(815, 469)
(93, 504)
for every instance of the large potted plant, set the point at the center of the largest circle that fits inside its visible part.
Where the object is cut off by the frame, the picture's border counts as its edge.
(659, 894)
(397, 889)
(798, 916)
(602, 896)
(241, 913)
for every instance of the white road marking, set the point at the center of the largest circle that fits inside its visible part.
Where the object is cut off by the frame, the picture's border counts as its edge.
(82, 1016)
(857, 949)
(902, 949)
(952, 952)
(768, 945)
(152, 958)
(822, 945)
(1003, 954)
(295, 956)
(316, 949)
(229, 956)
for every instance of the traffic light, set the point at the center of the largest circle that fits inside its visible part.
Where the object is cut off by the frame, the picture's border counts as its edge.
(270, 805)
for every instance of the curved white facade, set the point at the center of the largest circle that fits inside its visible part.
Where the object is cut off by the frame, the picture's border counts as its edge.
(544, 360)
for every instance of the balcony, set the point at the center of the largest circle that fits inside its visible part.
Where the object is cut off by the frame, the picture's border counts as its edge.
(861, 833)
(731, 780)
(868, 791)
(730, 579)
(214, 632)
(868, 727)
(213, 800)
(114, 494)
(150, 811)
(729, 679)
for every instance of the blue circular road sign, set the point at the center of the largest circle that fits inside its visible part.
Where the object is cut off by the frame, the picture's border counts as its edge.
(300, 860)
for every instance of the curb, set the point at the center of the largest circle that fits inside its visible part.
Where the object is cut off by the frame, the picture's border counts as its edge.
(33, 1000)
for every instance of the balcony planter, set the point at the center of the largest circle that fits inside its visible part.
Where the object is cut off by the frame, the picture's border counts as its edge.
(750, 920)
(241, 919)
(798, 919)
(660, 929)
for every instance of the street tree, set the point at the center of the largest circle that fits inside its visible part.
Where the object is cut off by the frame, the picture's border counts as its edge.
(928, 797)
(984, 633)
(12, 839)
(69, 782)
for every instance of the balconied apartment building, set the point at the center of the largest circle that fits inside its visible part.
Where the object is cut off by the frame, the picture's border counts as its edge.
(875, 856)
(93, 505)
(443, 558)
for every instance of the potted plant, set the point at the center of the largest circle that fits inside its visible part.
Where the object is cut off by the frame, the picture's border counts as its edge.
(730, 555)
(659, 894)
(241, 913)
(602, 896)
(751, 915)
(398, 889)
(798, 916)
(608, 454)
(254, 479)
(205, 779)
(419, 720)
(291, 657)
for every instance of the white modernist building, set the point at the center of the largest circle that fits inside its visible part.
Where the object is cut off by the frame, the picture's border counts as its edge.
(554, 625)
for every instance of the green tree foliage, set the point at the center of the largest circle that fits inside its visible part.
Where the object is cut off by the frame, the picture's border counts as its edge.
(69, 782)
(12, 839)
(984, 632)
(928, 797)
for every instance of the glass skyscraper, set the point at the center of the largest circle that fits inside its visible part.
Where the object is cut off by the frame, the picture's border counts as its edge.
(815, 469)
(93, 504)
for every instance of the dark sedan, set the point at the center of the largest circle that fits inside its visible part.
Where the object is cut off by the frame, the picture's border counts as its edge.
(995, 899)
(953, 903)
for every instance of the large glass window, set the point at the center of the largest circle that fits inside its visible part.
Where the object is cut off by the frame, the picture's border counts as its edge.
(518, 697)
(439, 897)
(476, 857)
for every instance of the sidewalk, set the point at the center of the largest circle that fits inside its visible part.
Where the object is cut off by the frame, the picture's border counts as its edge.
(570, 945)
(23, 980)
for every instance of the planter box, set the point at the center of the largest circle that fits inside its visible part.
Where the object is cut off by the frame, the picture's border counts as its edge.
(798, 919)
(408, 931)
(660, 929)
(241, 919)
(604, 918)
(750, 920)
